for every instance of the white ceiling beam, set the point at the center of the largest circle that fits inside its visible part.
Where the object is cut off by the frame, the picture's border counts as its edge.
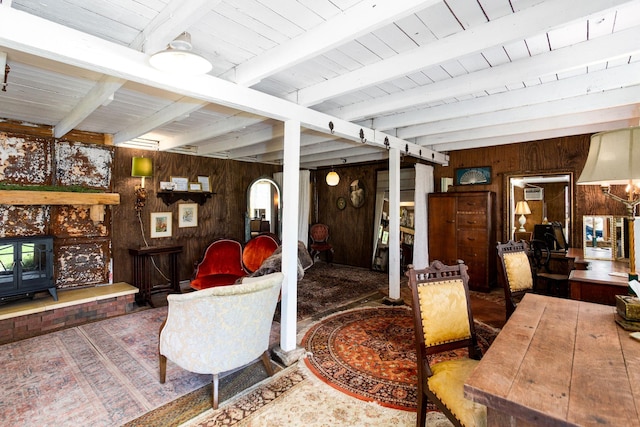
(161, 30)
(168, 114)
(332, 155)
(594, 81)
(271, 152)
(581, 55)
(373, 157)
(234, 142)
(532, 136)
(173, 20)
(536, 19)
(522, 128)
(89, 52)
(354, 22)
(214, 130)
(579, 104)
(98, 94)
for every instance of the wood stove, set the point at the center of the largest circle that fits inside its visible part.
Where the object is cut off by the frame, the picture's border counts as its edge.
(26, 267)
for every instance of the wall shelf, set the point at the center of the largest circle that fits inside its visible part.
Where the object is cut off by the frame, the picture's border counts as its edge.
(26, 197)
(170, 197)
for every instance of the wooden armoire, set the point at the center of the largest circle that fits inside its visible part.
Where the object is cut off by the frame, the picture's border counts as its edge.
(461, 227)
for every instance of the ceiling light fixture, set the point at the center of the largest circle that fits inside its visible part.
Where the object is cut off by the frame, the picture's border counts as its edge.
(178, 58)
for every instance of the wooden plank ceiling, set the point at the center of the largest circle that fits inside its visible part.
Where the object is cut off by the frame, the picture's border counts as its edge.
(429, 76)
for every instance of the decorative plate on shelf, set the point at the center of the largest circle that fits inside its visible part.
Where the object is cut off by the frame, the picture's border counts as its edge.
(341, 203)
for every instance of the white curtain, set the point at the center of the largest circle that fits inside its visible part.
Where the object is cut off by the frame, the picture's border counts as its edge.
(303, 202)
(424, 186)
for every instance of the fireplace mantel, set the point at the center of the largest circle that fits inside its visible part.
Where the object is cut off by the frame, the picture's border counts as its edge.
(26, 197)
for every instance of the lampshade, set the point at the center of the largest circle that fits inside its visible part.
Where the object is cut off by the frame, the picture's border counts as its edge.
(332, 178)
(614, 158)
(178, 58)
(141, 167)
(522, 208)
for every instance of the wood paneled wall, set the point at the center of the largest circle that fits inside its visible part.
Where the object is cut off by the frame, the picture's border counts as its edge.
(551, 155)
(221, 216)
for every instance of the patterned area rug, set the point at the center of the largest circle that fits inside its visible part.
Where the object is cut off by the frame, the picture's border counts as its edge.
(326, 287)
(295, 397)
(100, 374)
(369, 353)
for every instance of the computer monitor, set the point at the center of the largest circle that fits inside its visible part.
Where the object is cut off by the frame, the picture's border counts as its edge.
(552, 234)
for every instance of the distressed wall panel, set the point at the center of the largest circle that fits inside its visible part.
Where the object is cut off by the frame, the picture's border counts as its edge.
(75, 221)
(81, 263)
(24, 220)
(84, 164)
(25, 160)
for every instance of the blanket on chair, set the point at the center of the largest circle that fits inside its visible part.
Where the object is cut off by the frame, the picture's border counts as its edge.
(274, 262)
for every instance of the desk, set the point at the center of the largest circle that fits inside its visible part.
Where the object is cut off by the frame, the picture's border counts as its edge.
(597, 285)
(559, 362)
(142, 272)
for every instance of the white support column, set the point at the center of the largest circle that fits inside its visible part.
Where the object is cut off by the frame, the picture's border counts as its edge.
(291, 184)
(394, 225)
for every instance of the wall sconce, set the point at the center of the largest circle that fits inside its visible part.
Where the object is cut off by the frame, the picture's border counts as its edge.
(522, 209)
(614, 159)
(178, 58)
(141, 167)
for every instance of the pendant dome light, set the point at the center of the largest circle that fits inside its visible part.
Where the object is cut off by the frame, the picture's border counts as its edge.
(332, 178)
(178, 58)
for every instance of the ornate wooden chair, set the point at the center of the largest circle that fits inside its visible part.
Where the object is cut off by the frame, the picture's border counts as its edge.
(556, 284)
(443, 322)
(514, 272)
(320, 241)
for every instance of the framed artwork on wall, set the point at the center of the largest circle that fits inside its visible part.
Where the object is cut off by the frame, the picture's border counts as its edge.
(181, 183)
(187, 215)
(160, 224)
(472, 176)
(205, 181)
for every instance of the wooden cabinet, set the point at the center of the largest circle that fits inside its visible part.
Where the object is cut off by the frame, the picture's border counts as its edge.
(461, 227)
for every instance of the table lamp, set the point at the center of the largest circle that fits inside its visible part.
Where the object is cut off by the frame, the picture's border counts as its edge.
(522, 209)
(614, 159)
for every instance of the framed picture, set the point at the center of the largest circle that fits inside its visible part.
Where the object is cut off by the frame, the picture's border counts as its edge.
(356, 194)
(205, 181)
(187, 215)
(472, 176)
(182, 183)
(167, 186)
(160, 224)
(195, 186)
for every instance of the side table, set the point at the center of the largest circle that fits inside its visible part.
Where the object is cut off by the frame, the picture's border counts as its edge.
(142, 272)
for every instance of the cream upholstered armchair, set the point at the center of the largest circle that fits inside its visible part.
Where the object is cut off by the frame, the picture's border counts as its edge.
(219, 329)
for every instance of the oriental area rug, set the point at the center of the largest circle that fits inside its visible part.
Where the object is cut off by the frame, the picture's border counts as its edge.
(369, 353)
(296, 397)
(105, 374)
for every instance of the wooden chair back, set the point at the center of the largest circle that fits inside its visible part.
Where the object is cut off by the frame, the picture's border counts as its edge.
(443, 322)
(515, 272)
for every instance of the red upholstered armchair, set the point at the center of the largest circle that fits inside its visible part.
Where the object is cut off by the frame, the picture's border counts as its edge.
(225, 261)
(221, 265)
(319, 241)
(257, 250)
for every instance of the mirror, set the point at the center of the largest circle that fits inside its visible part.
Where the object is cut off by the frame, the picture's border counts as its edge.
(549, 199)
(263, 208)
(605, 237)
(598, 236)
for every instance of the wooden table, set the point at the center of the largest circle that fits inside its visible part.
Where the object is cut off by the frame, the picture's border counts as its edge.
(597, 284)
(142, 272)
(559, 362)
